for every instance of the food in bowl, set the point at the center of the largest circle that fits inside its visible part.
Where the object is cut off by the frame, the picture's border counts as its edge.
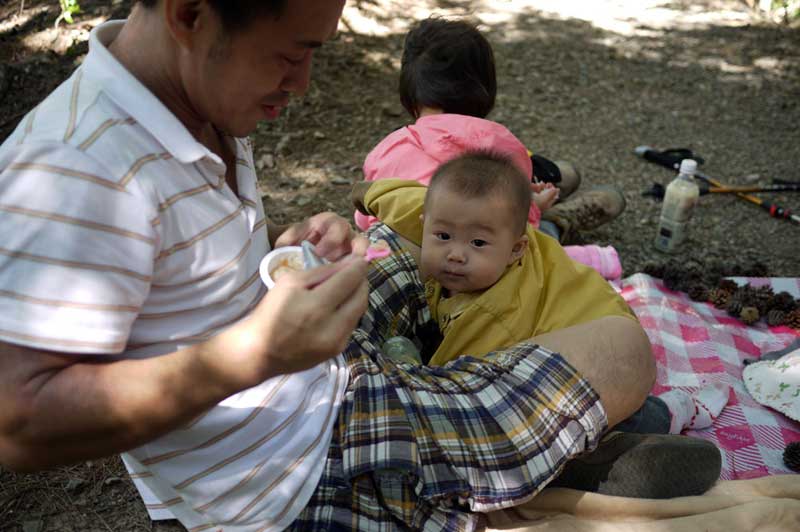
(285, 264)
(279, 262)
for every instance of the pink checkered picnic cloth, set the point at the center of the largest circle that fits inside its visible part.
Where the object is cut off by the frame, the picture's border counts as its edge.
(695, 344)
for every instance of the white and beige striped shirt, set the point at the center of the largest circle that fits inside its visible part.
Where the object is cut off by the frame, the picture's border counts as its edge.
(121, 238)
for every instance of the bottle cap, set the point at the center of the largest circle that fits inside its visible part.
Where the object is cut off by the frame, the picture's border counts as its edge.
(688, 166)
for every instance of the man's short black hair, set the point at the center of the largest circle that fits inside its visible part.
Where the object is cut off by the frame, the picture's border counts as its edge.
(447, 65)
(484, 173)
(237, 14)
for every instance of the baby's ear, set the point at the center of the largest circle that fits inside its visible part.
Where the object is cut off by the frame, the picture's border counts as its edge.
(519, 249)
(422, 218)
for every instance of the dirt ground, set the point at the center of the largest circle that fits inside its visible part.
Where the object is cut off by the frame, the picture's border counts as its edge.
(581, 81)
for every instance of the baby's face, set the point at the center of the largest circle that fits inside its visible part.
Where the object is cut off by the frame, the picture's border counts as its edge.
(467, 242)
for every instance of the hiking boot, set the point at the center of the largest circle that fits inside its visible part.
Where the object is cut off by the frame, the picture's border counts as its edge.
(586, 210)
(570, 179)
(645, 466)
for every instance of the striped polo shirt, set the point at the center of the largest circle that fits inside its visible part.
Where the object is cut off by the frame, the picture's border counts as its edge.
(122, 238)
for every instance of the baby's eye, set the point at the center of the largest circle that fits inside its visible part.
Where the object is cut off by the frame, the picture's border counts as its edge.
(478, 243)
(293, 61)
(442, 236)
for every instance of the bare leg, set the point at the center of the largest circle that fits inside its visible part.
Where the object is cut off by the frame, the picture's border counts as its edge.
(764, 515)
(614, 355)
(776, 487)
(583, 505)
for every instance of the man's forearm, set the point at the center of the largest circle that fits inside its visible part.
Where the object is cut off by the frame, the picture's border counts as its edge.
(68, 412)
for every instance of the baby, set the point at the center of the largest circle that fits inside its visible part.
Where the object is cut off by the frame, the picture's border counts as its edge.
(491, 280)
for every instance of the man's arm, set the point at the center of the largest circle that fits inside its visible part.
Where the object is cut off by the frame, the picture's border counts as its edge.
(59, 409)
(62, 408)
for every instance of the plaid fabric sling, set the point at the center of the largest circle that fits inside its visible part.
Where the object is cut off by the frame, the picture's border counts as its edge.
(429, 448)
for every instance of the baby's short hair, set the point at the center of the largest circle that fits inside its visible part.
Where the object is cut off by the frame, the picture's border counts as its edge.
(481, 173)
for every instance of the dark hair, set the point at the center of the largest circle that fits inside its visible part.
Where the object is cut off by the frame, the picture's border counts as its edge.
(448, 65)
(481, 173)
(237, 14)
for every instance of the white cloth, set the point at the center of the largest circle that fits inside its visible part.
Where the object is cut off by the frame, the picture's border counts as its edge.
(122, 238)
(776, 383)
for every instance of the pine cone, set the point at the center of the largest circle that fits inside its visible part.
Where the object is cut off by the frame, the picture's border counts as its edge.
(698, 292)
(749, 315)
(691, 276)
(749, 297)
(793, 319)
(728, 285)
(715, 271)
(734, 307)
(776, 317)
(763, 298)
(672, 279)
(783, 301)
(741, 294)
(653, 269)
(791, 456)
(719, 298)
(756, 269)
(673, 275)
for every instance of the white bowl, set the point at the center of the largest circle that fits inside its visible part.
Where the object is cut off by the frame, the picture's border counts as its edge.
(291, 256)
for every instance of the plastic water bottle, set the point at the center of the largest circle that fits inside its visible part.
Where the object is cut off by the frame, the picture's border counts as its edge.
(679, 201)
(401, 349)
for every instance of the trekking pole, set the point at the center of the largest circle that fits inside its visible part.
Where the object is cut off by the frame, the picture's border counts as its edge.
(658, 190)
(794, 187)
(667, 161)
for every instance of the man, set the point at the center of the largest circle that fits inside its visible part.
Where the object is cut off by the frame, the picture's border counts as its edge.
(133, 229)
(132, 315)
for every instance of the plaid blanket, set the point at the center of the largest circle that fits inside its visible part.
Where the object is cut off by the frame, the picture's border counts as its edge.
(696, 344)
(429, 448)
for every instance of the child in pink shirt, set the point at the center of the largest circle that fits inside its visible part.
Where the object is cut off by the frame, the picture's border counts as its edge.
(414, 152)
(448, 84)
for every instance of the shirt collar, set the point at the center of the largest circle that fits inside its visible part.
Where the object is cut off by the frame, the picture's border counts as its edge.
(133, 97)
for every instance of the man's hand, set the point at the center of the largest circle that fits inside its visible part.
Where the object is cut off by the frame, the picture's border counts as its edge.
(306, 318)
(331, 235)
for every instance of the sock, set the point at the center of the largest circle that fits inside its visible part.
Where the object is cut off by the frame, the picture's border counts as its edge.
(696, 410)
(603, 259)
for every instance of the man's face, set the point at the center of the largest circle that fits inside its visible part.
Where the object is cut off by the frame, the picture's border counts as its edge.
(237, 79)
(467, 242)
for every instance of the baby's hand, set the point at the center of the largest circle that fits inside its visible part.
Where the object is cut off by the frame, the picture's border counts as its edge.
(539, 186)
(544, 195)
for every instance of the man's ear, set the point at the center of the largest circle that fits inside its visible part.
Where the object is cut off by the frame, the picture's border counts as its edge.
(186, 19)
(519, 249)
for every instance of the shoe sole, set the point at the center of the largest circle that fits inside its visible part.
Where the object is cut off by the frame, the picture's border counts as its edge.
(645, 466)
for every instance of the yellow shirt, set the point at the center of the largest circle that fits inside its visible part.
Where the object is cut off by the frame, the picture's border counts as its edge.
(544, 291)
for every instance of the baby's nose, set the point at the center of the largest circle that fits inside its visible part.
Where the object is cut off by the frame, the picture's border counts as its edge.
(456, 255)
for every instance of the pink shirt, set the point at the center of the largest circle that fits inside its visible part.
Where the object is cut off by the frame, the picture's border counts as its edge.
(414, 152)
